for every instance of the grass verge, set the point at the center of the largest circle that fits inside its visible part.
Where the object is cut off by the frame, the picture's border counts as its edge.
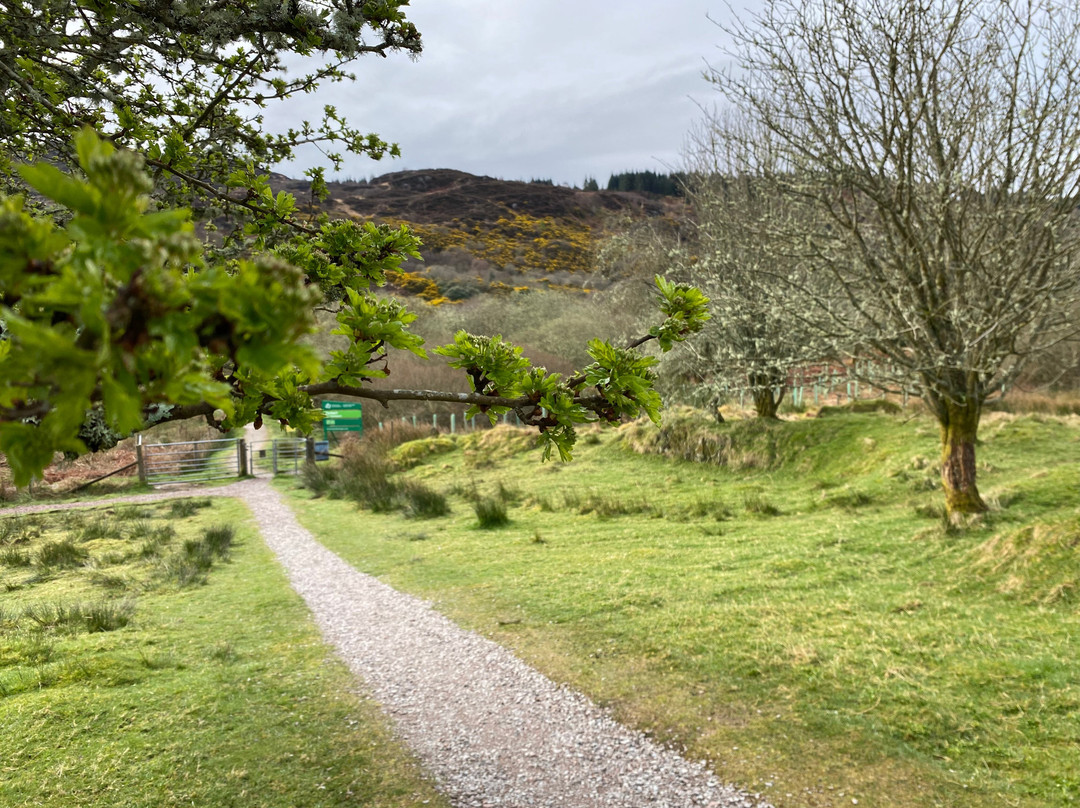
(800, 616)
(126, 683)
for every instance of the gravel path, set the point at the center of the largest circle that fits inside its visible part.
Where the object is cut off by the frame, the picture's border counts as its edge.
(492, 731)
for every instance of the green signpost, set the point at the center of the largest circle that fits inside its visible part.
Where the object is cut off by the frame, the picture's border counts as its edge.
(342, 416)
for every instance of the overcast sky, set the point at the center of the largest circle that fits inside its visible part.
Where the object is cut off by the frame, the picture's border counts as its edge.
(517, 89)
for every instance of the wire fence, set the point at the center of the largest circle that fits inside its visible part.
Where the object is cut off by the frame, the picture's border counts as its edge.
(189, 461)
(205, 460)
(277, 456)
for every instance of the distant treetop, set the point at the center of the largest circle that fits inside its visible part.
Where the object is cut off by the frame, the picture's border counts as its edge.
(648, 181)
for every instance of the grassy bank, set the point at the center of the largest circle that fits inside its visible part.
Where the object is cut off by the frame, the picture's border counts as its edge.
(801, 616)
(155, 656)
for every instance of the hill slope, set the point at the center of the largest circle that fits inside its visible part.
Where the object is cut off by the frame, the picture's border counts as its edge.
(487, 235)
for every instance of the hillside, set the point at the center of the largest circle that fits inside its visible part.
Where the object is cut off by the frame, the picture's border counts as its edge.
(487, 235)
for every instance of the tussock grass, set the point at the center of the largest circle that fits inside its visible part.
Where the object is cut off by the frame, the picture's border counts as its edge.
(604, 505)
(192, 563)
(219, 539)
(853, 639)
(59, 554)
(847, 498)
(365, 477)
(102, 615)
(756, 503)
(14, 557)
(100, 528)
(421, 502)
(183, 508)
(154, 544)
(490, 512)
(20, 529)
(1038, 563)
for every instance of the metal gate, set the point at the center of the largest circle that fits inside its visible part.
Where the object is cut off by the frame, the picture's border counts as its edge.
(190, 461)
(274, 457)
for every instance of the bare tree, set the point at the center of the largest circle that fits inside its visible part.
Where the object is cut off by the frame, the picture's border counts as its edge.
(932, 151)
(752, 343)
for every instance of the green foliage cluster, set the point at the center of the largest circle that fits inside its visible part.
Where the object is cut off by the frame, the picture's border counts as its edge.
(124, 125)
(118, 308)
(122, 310)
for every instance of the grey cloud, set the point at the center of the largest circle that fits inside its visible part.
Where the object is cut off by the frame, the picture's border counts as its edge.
(557, 89)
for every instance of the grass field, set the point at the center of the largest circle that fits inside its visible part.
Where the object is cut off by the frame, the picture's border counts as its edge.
(801, 616)
(156, 656)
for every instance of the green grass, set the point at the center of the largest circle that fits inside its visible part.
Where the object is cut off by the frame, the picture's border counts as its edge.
(800, 615)
(119, 686)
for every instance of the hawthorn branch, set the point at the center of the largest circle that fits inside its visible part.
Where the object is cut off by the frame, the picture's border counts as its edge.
(224, 197)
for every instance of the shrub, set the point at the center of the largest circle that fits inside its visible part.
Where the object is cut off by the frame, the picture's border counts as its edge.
(363, 476)
(318, 478)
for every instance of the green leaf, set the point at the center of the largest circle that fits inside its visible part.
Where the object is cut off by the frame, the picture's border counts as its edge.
(50, 182)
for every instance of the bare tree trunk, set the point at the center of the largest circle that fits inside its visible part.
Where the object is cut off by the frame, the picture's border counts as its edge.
(959, 423)
(766, 404)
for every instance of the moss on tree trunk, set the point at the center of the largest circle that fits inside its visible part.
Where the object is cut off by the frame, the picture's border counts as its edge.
(959, 422)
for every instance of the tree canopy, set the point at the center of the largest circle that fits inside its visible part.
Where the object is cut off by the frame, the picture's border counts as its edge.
(927, 160)
(149, 273)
